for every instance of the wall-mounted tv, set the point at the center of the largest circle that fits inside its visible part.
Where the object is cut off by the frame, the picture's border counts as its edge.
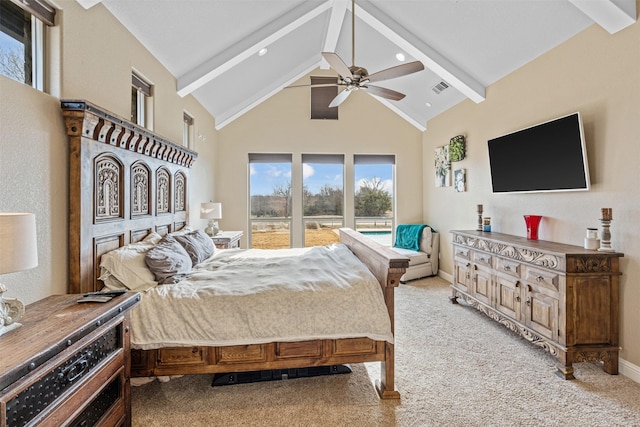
(550, 156)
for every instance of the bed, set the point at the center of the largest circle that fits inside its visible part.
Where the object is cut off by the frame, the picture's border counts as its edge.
(126, 183)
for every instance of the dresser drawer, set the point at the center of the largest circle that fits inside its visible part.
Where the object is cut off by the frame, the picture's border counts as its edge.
(461, 252)
(512, 268)
(482, 258)
(543, 278)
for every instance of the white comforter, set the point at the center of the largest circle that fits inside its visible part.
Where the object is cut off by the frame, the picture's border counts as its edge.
(256, 296)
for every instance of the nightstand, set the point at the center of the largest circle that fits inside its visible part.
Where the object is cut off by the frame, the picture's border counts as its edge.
(68, 364)
(227, 239)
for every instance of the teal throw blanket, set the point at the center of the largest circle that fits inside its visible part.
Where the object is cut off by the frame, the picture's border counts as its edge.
(408, 236)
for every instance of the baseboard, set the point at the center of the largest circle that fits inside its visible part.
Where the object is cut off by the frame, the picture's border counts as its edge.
(629, 370)
(446, 276)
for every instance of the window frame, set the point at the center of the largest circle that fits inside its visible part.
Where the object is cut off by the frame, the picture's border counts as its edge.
(140, 101)
(40, 14)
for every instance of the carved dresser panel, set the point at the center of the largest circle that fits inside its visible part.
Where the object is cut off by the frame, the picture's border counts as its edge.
(561, 297)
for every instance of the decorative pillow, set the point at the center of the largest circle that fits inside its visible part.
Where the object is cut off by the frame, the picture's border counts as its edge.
(184, 230)
(127, 266)
(167, 259)
(198, 245)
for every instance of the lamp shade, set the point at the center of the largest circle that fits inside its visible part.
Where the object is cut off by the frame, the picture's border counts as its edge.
(18, 242)
(210, 210)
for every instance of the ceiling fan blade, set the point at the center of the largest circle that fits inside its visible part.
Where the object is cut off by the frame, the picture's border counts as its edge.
(384, 92)
(340, 98)
(337, 64)
(397, 71)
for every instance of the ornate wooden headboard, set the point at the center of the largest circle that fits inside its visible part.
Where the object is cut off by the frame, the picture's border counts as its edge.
(124, 182)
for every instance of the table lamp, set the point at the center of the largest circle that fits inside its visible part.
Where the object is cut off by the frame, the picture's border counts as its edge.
(211, 211)
(18, 251)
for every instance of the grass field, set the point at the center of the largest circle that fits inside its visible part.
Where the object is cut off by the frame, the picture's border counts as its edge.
(280, 239)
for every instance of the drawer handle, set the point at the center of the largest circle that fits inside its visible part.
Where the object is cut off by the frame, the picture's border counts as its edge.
(507, 268)
(517, 298)
(74, 371)
(540, 279)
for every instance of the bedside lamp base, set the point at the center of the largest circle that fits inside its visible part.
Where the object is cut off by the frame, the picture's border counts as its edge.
(212, 228)
(11, 310)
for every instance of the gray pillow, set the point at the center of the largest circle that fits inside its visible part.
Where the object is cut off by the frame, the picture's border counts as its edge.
(198, 245)
(168, 259)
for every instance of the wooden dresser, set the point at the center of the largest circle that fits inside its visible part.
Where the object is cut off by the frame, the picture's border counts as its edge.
(561, 297)
(68, 364)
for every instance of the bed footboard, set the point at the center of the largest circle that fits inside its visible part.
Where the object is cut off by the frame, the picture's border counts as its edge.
(387, 266)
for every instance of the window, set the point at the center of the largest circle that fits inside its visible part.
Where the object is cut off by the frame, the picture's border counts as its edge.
(187, 131)
(140, 92)
(373, 198)
(22, 40)
(270, 200)
(322, 197)
(321, 97)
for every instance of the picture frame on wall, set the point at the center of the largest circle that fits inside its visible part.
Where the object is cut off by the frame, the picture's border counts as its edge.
(442, 167)
(460, 180)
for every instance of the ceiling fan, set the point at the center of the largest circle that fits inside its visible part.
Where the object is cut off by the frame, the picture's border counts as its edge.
(354, 78)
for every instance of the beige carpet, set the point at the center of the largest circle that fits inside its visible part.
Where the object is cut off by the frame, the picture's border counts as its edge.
(454, 367)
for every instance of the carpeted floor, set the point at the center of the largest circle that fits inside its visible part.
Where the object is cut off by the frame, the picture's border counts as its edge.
(454, 367)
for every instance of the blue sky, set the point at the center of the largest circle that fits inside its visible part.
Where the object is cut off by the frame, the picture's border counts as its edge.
(266, 176)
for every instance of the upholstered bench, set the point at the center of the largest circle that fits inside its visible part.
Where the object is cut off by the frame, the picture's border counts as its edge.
(423, 262)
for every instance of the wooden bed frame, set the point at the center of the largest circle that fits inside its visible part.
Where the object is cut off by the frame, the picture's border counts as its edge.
(125, 182)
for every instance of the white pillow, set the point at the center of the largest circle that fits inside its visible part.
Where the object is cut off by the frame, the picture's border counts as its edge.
(126, 265)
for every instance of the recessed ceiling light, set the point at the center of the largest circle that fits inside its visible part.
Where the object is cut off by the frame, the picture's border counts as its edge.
(263, 51)
(400, 56)
(428, 104)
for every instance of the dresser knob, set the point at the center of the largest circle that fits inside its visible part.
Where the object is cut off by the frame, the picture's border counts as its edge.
(69, 343)
(32, 366)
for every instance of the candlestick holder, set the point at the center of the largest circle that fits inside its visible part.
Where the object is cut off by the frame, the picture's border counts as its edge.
(605, 236)
(480, 223)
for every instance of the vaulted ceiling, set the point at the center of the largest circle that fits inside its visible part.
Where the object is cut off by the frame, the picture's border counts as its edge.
(212, 46)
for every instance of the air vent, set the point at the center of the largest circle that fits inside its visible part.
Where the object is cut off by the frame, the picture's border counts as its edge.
(440, 87)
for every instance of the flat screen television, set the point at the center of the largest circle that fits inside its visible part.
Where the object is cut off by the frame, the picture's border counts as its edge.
(550, 156)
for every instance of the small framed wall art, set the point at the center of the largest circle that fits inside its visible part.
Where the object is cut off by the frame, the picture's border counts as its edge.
(456, 148)
(460, 180)
(443, 167)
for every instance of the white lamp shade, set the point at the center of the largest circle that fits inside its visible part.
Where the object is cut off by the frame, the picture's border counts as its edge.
(211, 210)
(18, 242)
